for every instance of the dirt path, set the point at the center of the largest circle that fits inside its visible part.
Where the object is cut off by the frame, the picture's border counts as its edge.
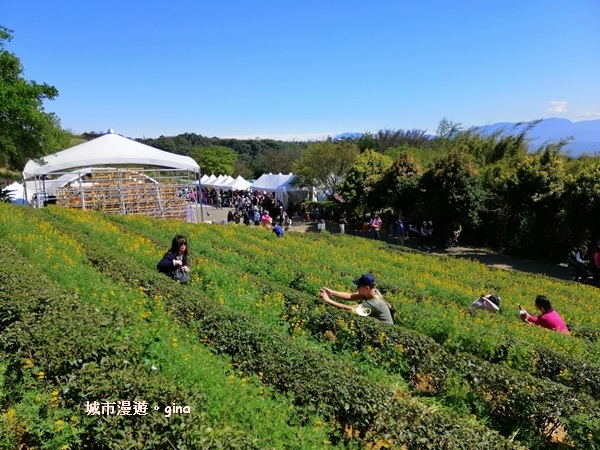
(211, 214)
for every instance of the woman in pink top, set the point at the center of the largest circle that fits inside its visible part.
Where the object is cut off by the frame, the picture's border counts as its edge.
(266, 220)
(548, 318)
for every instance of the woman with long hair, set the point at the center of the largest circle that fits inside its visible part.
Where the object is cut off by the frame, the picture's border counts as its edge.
(175, 258)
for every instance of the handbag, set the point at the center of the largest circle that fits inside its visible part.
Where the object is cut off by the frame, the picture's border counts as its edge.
(181, 275)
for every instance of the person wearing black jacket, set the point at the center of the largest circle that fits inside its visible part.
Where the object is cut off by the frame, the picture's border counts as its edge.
(176, 257)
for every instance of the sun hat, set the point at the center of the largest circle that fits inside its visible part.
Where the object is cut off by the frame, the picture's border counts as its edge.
(360, 311)
(365, 280)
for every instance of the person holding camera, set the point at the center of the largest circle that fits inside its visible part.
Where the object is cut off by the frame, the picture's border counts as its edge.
(548, 318)
(373, 303)
(174, 263)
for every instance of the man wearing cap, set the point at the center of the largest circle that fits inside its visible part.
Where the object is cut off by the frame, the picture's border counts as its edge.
(372, 304)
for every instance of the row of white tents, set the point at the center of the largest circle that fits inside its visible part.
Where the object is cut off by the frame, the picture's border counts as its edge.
(225, 182)
(69, 166)
(267, 182)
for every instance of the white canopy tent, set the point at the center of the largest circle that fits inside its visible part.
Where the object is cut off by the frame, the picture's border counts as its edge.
(209, 181)
(275, 183)
(281, 186)
(153, 182)
(109, 149)
(239, 184)
(16, 193)
(224, 182)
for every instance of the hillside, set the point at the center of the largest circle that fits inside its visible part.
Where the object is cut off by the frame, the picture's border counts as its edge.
(259, 360)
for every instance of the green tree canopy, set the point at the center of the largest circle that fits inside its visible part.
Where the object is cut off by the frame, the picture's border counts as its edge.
(325, 164)
(26, 130)
(216, 160)
(400, 183)
(359, 188)
(277, 160)
(452, 192)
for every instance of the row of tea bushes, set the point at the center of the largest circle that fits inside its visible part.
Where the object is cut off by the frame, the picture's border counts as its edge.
(471, 379)
(491, 337)
(480, 385)
(95, 340)
(317, 382)
(59, 352)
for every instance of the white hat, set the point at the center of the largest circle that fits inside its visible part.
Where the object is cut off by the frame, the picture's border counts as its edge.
(359, 310)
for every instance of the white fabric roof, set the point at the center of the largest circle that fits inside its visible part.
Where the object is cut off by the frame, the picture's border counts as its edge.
(275, 183)
(210, 180)
(224, 182)
(204, 178)
(15, 192)
(239, 184)
(213, 180)
(109, 149)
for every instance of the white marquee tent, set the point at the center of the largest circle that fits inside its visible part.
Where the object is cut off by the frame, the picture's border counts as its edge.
(209, 181)
(239, 184)
(221, 181)
(108, 149)
(151, 181)
(274, 183)
(281, 186)
(16, 193)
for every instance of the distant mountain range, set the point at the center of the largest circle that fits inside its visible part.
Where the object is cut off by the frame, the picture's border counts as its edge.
(585, 134)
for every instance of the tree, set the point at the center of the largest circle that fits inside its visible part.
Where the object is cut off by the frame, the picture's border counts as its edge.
(359, 188)
(244, 167)
(215, 160)
(452, 192)
(325, 164)
(277, 160)
(397, 138)
(400, 184)
(26, 130)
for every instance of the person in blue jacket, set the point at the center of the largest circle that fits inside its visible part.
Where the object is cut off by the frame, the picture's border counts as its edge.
(278, 230)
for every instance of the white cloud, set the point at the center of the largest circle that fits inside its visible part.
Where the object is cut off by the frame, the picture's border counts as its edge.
(557, 106)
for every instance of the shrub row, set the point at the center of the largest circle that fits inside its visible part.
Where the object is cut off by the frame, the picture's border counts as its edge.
(549, 364)
(232, 405)
(317, 382)
(59, 352)
(484, 388)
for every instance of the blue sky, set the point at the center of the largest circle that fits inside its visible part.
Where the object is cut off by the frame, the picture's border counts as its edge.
(305, 70)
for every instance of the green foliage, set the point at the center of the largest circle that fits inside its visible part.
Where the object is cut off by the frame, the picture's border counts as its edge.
(400, 184)
(277, 160)
(26, 130)
(325, 164)
(255, 156)
(456, 188)
(216, 159)
(387, 139)
(359, 188)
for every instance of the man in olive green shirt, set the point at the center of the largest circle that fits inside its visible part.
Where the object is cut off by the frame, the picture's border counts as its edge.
(372, 304)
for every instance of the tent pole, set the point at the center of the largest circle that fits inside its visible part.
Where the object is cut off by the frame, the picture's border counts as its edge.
(199, 196)
(81, 192)
(25, 190)
(123, 211)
